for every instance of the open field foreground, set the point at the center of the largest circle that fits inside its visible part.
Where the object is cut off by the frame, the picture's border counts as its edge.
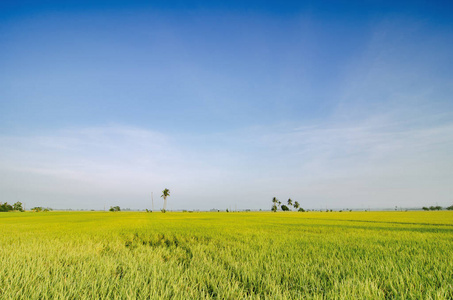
(366, 255)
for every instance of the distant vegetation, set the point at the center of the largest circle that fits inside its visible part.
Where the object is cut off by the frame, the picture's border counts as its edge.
(436, 207)
(5, 207)
(115, 208)
(40, 209)
(165, 194)
(276, 204)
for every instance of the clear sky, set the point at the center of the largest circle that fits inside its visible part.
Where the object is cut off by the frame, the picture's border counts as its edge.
(332, 104)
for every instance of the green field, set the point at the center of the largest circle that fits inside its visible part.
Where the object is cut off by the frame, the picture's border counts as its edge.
(331, 255)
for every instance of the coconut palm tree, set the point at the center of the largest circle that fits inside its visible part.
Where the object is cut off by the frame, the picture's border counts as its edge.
(275, 201)
(290, 202)
(296, 205)
(165, 194)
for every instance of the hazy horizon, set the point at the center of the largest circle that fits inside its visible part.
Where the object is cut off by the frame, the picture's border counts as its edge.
(333, 104)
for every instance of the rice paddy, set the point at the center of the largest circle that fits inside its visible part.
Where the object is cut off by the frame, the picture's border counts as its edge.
(253, 255)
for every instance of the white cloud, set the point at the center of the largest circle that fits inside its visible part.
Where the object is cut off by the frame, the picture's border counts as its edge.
(388, 142)
(92, 166)
(378, 162)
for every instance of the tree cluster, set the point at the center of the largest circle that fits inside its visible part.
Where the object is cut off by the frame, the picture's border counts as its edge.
(115, 208)
(5, 207)
(276, 204)
(40, 209)
(437, 207)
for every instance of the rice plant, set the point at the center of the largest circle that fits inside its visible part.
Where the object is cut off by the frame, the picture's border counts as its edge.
(283, 255)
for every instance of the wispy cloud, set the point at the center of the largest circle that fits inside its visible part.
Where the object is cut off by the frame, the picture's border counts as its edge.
(377, 162)
(275, 110)
(103, 164)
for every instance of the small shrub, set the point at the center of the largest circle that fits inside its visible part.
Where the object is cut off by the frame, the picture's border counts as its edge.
(285, 208)
(115, 208)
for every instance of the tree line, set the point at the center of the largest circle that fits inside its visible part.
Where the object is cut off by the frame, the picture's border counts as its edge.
(276, 204)
(18, 206)
(437, 207)
(5, 207)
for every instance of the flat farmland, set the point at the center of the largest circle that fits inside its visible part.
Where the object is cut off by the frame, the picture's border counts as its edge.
(253, 255)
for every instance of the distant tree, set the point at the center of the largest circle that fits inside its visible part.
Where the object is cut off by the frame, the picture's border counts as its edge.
(284, 207)
(37, 209)
(290, 202)
(5, 207)
(425, 208)
(274, 206)
(296, 205)
(18, 206)
(115, 208)
(165, 194)
(301, 210)
(435, 207)
(450, 207)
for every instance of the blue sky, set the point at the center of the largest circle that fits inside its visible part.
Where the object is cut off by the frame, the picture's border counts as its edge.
(334, 104)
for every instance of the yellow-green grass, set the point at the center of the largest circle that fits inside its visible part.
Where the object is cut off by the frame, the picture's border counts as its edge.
(285, 255)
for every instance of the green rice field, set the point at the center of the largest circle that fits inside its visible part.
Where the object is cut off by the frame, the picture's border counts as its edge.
(253, 255)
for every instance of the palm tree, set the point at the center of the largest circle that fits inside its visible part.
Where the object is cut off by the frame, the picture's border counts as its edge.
(296, 205)
(165, 194)
(275, 201)
(290, 202)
